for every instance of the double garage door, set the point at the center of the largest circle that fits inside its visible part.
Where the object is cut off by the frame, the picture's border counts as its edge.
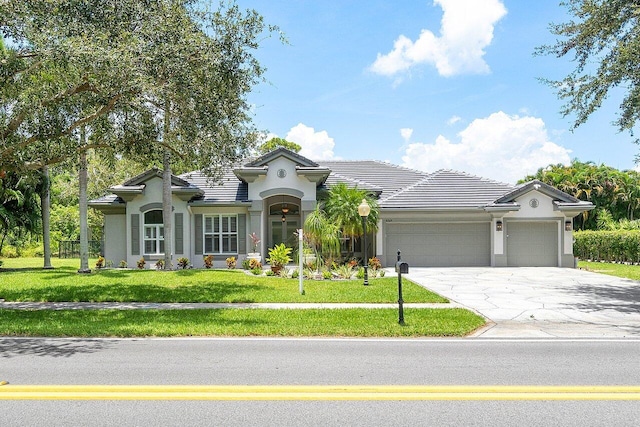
(439, 244)
(529, 244)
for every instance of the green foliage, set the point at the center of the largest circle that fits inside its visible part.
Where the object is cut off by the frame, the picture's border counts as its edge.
(605, 245)
(276, 142)
(183, 262)
(607, 34)
(607, 188)
(279, 255)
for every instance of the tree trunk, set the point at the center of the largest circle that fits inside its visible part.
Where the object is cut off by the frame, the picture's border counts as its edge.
(84, 238)
(166, 210)
(45, 204)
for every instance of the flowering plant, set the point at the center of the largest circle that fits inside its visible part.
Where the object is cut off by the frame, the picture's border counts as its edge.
(255, 239)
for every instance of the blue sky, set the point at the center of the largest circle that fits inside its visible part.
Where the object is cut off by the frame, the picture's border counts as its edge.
(445, 84)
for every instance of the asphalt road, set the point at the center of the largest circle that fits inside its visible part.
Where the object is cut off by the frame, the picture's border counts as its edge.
(319, 362)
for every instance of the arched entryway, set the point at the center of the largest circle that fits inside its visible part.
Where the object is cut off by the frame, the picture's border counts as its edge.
(283, 220)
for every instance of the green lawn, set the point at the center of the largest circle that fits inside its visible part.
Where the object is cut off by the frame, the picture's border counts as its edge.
(25, 280)
(619, 270)
(237, 322)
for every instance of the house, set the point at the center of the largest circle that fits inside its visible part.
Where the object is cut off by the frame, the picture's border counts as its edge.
(444, 218)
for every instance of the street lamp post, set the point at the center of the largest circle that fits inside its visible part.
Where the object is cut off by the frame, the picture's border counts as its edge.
(363, 210)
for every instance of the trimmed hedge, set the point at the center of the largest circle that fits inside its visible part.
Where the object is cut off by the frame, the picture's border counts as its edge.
(606, 245)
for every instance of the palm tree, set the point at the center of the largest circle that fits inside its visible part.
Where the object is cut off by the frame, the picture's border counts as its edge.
(342, 209)
(322, 234)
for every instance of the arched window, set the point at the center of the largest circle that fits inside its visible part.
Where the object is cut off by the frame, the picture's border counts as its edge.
(153, 233)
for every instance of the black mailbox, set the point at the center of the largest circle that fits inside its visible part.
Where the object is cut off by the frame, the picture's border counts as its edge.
(402, 267)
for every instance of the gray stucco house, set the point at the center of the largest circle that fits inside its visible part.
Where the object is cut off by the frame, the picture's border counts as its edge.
(444, 218)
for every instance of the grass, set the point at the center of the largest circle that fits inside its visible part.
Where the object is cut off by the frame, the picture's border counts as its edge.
(229, 322)
(618, 270)
(25, 280)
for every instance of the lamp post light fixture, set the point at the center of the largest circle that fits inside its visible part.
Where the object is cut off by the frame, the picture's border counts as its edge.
(363, 210)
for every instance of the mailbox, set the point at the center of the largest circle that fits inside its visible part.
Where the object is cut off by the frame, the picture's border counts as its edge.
(402, 267)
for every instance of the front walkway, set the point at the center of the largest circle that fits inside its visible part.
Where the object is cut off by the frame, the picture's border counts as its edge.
(540, 302)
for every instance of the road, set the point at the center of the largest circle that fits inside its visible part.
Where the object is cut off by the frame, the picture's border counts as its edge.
(322, 362)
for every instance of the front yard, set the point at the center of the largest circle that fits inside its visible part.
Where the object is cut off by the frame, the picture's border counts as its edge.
(24, 280)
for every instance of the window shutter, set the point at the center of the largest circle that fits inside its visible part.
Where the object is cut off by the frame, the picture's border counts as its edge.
(179, 249)
(135, 234)
(198, 236)
(242, 234)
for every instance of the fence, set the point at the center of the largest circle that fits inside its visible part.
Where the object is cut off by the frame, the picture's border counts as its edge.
(71, 248)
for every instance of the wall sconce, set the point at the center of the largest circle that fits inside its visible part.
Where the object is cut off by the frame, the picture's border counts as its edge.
(498, 225)
(568, 226)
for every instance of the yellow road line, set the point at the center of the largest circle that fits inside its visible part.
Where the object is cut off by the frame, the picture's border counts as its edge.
(308, 392)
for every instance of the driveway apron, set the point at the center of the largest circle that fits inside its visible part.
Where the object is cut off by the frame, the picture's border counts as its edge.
(540, 302)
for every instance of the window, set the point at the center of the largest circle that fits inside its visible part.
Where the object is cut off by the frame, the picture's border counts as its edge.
(220, 234)
(153, 233)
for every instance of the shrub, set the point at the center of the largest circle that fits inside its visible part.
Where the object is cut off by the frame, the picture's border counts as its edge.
(295, 274)
(246, 264)
(254, 263)
(608, 245)
(9, 251)
(345, 271)
(123, 264)
(183, 262)
(269, 273)
(141, 262)
(159, 264)
(208, 261)
(327, 275)
(231, 262)
(375, 264)
(100, 262)
(258, 271)
(360, 273)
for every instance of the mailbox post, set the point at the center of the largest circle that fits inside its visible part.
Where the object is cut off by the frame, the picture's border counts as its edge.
(401, 268)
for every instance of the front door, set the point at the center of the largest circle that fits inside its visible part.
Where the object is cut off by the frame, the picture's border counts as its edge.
(283, 232)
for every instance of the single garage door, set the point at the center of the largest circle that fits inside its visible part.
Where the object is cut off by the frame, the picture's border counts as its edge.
(532, 244)
(439, 245)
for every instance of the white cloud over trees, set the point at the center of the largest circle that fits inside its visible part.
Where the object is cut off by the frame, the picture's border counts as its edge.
(315, 145)
(501, 147)
(466, 30)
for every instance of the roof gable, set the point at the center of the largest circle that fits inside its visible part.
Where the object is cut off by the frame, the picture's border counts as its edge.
(154, 173)
(539, 186)
(267, 158)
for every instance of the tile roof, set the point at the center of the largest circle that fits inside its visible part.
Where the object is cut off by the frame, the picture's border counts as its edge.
(447, 189)
(396, 187)
(228, 189)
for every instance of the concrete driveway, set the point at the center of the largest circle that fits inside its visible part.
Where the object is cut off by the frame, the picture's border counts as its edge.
(540, 302)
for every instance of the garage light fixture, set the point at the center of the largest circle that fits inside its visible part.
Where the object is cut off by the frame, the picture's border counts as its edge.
(498, 225)
(568, 226)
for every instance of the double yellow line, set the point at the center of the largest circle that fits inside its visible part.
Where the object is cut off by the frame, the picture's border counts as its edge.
(309, 392)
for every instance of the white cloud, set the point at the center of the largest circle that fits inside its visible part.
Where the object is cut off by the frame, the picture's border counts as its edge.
(501, 147)
(453, 120)
(466, 30)
(406, 133)
(315, 145)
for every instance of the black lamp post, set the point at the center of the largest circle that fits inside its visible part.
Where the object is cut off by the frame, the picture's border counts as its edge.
(363, 210)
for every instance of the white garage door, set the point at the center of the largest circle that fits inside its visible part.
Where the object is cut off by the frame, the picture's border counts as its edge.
(532, 244)
(439, 245)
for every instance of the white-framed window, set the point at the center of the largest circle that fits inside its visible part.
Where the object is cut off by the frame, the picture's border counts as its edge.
(153, 233)
(220, 234)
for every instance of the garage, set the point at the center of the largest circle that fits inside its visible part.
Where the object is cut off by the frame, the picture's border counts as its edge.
(532, 244)
(464, 244)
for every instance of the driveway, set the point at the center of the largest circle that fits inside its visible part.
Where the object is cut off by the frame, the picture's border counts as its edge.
(540, 302)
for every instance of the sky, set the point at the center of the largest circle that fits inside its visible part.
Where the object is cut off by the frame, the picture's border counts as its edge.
(426, 84)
